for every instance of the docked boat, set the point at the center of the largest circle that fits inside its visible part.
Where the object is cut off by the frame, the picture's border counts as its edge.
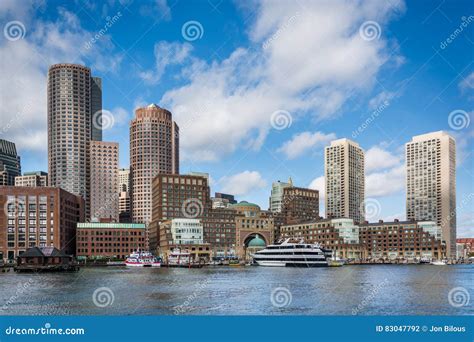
(142, 259)
(439, 263)
(179, 258)
(292, 255)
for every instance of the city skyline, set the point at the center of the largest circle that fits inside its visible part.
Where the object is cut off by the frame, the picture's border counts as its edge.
(381, 118)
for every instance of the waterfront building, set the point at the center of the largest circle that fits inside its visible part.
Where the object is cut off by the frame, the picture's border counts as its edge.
(35, 178)
(252, 226)
(104, 180)
(464, 247)
(345, 183)
(72, 95)
(220, 231)
(177, 196)
(10, 166)
(109, 240)
(431, 183)
(186, 231)
(38, 216)
(185, 235)
(154, 149)
(340, 235)
(401, 239)
(276, 195)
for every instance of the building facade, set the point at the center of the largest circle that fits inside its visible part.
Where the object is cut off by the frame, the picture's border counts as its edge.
(96, 108)
(10, 166)
(222, 201)
(104, 160)
(340, 235)
(70, 124)
(345, 180)
(177, 196)
(38, 216)
(276, 195)
(252, 225)
(36, 178)
(431, 183)
(109, 240)
(154, 149)
(382, 240)
(401, 239)
(220, 231)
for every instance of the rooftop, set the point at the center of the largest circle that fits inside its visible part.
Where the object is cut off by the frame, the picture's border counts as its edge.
(100, 225)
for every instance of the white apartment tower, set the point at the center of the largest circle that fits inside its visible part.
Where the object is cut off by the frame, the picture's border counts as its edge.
(276, 196)
(345, 183)
(431, 183)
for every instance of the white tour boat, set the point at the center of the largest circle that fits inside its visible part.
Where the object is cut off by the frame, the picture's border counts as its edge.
(179, 258)
(293, 255)
(142, 259)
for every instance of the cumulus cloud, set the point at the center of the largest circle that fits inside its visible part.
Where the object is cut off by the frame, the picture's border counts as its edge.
(305, 57)
(25, 63)
(467, 83)
(242, 183)
(302, 142)
(166, 54)
(386, 182)
(319, 183)
(376, 158)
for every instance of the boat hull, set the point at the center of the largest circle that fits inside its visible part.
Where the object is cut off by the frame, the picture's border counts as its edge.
(277, 263)
(139, 264)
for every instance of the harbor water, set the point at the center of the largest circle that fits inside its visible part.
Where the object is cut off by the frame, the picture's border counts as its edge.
(347, 290)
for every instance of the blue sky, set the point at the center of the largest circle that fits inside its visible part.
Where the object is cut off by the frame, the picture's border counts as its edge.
(258, 90)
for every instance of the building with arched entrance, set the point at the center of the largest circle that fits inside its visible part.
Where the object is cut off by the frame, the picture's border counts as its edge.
(254, 229)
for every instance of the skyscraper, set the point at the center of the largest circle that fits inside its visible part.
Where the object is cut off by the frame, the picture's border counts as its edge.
(10, 166)
(123, 190)
(154, 148)
(276, 195)
(104, 180)
(71, 94)
(431, 183)
(96, 108)
(344, 172)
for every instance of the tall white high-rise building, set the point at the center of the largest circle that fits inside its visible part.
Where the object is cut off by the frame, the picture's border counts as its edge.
(72, 96)
(345, 180)
(276, 196)
(431, 183)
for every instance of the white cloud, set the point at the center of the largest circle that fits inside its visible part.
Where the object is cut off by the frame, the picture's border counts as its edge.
(304, 141)
(166, 54)
(385, 183)
(467, 83)
(158, 9)
(381, 100)
(242, 183)
(319, 183)
(25, 63)
(311, 66)
(376, 158)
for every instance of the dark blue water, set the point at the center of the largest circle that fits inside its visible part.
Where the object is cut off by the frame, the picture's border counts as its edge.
(348, 290)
